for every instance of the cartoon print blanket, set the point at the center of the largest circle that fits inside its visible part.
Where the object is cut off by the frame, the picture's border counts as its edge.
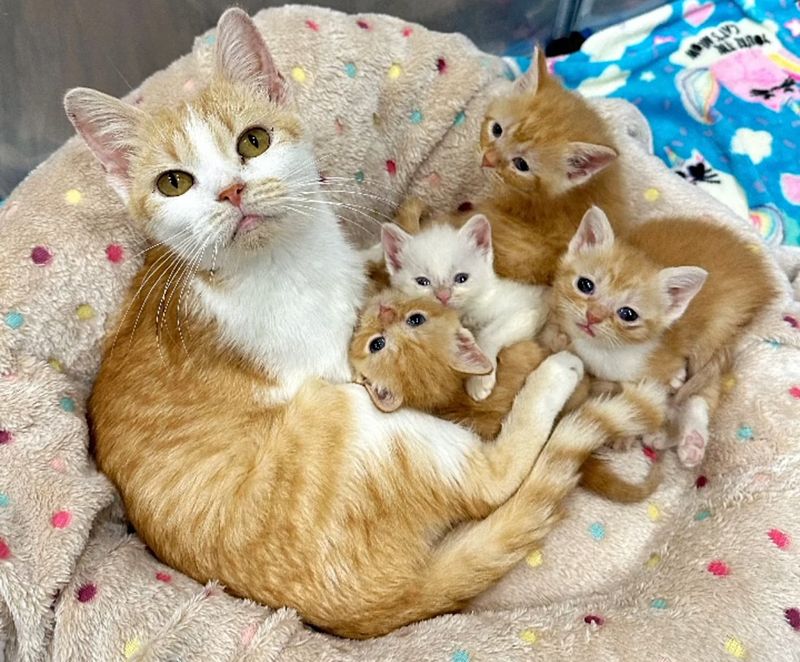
(719, 83)
(705, 571)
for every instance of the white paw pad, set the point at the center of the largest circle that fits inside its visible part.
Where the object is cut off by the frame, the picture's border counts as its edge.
(692, 449)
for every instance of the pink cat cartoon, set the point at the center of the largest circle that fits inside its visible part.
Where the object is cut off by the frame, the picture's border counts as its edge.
(744, 58)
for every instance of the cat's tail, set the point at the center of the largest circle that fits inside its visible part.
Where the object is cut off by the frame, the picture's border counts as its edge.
(600, 478)
(474, 556)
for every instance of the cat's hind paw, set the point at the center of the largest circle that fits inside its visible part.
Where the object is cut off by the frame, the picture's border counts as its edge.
(692, 448)
(480, 387)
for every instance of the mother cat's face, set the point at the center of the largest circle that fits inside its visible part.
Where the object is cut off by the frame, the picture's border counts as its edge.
(222, 175)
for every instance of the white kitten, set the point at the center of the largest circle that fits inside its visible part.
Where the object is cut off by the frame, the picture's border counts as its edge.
(455, 266)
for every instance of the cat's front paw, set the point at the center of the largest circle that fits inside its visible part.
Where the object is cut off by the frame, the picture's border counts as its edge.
(678, 379)
(568, 364)
(480, 387)
(692, 448)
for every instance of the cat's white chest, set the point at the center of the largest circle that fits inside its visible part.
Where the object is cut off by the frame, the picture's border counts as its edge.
(617, 364)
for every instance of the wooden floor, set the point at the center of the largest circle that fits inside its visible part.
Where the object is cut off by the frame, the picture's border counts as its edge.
(48, 46)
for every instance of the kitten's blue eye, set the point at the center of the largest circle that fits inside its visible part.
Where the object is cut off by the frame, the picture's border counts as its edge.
(422, 281)
(415, 319)
(627, 314)
(521, 164)
(585, 285)
(461, 278)
(377, 344)
(497, 130)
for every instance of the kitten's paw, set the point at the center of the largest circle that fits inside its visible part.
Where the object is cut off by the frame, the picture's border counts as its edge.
(567, 364)
(480, 387)
(692, 448)
(626, 443)
(658, 440)
(678, 379)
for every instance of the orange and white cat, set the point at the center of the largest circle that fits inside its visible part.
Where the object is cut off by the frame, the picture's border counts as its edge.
(669, 294)
(550, 156)
(455, 267)
(224, 412)
(414, 352)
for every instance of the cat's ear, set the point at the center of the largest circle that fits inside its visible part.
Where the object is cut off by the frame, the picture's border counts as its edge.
(108, 126)
(528, 83)
(594, 232)
(243, 57)
(393, 237)
(584, 160)
(479, 231)
(466, 357)
(681, 285)
(383, 398)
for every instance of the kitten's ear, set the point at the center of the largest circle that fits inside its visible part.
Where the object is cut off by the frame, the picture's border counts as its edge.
(594, 232)
(108, 127)
(529, 82)
(583, 160)
(466, 357)
(681, 285)
(479, 231)
(383, 398)
(393, 238)
(243, 57)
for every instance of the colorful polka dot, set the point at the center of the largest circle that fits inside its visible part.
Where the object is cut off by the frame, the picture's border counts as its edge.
(55, 364)
(340, 126)
(362, 24)
(702, 515)
(415, 117)
(299, 74)
(729, 383)
(211, 39)
(189, 85)
(391, 167)
(701, 482)
(395, 71)
(359, 176)
(754, 248)
(376, 120)
(719, 568)
(14, 319)
(529, 636)
(57, 464)
(67, 404)
(791, 321)
(650, 453)
(41, 256)
(653, 512)
(115, 253)
(593, 619)
(131, 647)
(434, 179)
(795, 392)
(745, 433)
(652, 194)
(164, 577)
(774, 343)
(84, 312)
(61, 519)
(86, 592)
(350, 69)
(407, 31)
(535, 558)
(658, 603)
(792, 617)
(441, 65)
(460, 117)
(780, 538)
(5, 550)
(5, 500)
(653, 561)
(73, 196)
(5, 437)
(597, 530)
(312, 25)
(734, 647)
(460, 656)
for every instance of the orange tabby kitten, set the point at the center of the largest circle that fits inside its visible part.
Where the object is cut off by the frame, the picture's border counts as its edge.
(631, 307)
(403, 363)
(551, 156)
(224, 412)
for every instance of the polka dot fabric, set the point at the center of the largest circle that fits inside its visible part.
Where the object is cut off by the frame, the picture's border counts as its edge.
(394, 109)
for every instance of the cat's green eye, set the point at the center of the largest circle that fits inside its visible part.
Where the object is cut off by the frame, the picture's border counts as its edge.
(252, 142)
(174, 182)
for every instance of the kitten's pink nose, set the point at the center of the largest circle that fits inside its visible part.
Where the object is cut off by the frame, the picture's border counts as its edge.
(592, 318)
(386, 314)
(489, 159)
(232, 194)
(443, 295)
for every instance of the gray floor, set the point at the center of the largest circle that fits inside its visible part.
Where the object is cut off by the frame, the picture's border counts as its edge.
(48, 46)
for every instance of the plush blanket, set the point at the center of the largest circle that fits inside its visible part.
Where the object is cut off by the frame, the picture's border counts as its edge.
(706, 570)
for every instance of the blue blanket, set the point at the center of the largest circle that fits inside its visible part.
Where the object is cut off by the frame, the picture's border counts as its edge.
(719, 83)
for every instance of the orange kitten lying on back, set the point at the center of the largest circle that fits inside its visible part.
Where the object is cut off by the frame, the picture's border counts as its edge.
(551, 157)
(632, 308)
(414, 352)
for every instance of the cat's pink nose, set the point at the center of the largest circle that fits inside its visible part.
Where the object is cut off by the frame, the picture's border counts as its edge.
(489, 159)
(443, 295)
(591, 318)
(386, 314)
(232, 194)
